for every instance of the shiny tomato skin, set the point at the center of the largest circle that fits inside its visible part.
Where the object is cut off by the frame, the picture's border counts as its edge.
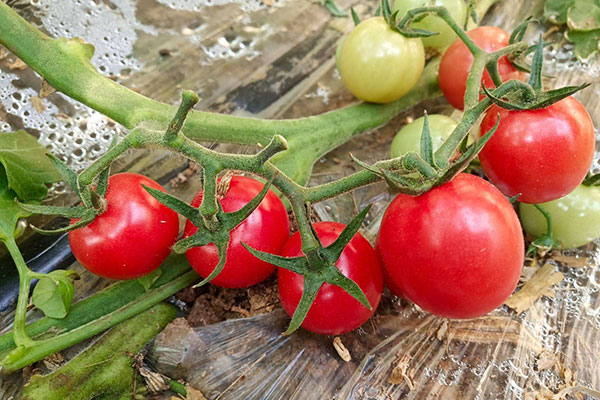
(379, 65)
(457, 60)
(542, 154)
(456, 251)
(334, 311)
(132, 237)
(266, 229)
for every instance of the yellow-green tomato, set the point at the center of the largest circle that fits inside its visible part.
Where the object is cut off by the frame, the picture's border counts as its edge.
(379, 65)
(575, 217)
(456, 8)
(409, 138)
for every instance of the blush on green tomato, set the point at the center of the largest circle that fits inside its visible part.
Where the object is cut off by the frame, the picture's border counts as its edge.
(456, 8)
(409, 138)
(575, 217)
(379, 65)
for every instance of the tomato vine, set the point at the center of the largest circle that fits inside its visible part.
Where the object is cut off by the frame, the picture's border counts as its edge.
(289, 149)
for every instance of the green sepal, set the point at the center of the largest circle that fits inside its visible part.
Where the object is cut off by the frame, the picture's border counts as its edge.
(200, 238)
(465, 158)
(355, 17)
(175, 204)
(591, 180)
(67, 212)
(222, 247)
(66, 173)
(148, 280)
(541, 245)
(334, 9)
(518, 33)
(79, 224)
(515, 198)
(53, 293)
(310, 289)
(333, 276)
(535, 79)
(237, 217)
(332, 252)
(427, 144)
(294, 264)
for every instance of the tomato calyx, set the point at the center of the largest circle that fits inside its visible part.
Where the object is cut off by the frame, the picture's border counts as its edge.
(318, 266)
(92, 204)
(218, 228)
(433, 168)
(402, 26)
(530, 95)
(545, 242)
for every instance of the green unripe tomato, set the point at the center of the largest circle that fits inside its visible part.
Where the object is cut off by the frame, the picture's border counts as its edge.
(456, 8)
(575, 217)
(379, 65)
(409, 137)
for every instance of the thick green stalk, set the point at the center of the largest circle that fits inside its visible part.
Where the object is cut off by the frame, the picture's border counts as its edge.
(101, 303)
(65, 65)
(21, 357)
(104, 369)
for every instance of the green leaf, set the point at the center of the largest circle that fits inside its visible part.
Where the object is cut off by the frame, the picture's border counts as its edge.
(584, 15)
(556, 10)
(53, 293)
(148, 280)
(355, 17)
(334, 9)
(586, 43)
(10, 212)
(25, 165)
(426, 143)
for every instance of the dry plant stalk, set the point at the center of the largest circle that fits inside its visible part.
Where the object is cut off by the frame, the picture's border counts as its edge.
(400, 371)
(539, 285)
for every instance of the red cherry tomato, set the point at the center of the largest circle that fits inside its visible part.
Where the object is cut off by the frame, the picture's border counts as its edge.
(542, 154)
(456, 251)
(334, 311)
(266, 229)
(457, 60)
(132, 237)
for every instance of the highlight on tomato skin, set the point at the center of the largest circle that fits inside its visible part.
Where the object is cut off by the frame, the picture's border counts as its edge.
(457, 61)
(456, 251)
(542, 154)
(334, 311)
(266, 229)
(132, 237)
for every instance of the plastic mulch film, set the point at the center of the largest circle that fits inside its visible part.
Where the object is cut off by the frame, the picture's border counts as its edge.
(551, 351)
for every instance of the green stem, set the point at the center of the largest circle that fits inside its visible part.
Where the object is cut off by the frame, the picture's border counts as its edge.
(21, 357)
(20, 334)
(104, 369)
(65, 65)
(548, 218)
(100, 303)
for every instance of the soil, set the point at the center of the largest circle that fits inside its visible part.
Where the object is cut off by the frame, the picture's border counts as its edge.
(211, 304)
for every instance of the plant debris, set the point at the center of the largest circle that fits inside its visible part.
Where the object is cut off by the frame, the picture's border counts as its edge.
(537, 286)
(342, 351)
(400, 371)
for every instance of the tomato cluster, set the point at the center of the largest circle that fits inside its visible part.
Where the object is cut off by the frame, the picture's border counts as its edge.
(456, 251)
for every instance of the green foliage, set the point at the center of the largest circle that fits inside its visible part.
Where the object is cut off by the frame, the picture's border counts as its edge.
(53, 293)
(582, 20)
(24, 172)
